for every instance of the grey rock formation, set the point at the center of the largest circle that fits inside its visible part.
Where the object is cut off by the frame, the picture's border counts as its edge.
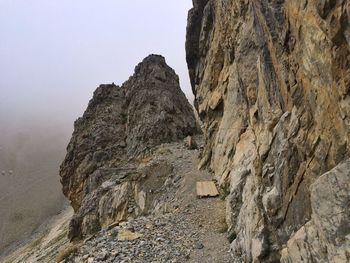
(327, 234)
(271, 82)
(101, 173)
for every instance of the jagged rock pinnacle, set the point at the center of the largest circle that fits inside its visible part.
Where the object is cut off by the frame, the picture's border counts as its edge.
(120, 125)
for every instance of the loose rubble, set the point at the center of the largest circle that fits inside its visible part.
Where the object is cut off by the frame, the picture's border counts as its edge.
(184, 228)
(188, 230)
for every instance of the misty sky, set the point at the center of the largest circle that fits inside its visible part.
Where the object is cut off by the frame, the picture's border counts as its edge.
(54, 53)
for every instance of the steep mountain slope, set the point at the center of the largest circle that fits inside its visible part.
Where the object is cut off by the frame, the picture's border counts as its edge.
(101, 174)
(45, 243)
(271, 81)
(30, 154)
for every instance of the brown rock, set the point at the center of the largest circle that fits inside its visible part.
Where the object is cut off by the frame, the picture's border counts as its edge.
(190, 143)
(271, 82)
(126, 235)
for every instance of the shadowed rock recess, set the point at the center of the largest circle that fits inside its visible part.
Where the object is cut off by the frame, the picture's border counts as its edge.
(271, 81)
(101, 173)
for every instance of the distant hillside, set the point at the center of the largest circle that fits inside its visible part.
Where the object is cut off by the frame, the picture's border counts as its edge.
(30, 191)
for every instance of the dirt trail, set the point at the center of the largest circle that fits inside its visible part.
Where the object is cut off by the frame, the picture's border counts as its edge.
(193, 230)
(206, 217)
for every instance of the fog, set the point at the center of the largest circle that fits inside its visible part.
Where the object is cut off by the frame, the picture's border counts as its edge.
(30, 154)
(53, 54)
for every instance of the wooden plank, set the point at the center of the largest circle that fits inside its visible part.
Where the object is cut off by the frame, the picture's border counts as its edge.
(206, 189)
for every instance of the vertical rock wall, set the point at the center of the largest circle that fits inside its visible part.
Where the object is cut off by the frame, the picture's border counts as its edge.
(271, 81)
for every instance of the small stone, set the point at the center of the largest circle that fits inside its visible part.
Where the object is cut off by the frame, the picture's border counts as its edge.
(126, 235)
(112, 226)
(198, 245)
(107, 184)
(102, 256)
(160, 239)
(190, 143)
(130, 228)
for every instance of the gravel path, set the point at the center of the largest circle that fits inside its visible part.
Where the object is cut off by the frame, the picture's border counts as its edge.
(192, 229)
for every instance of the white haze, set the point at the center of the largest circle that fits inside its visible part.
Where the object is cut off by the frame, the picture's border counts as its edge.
(53, 54)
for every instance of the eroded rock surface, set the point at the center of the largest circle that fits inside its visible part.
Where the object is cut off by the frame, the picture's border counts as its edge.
(188, 229)
(326, 237)
(103, 173)
(271, 81)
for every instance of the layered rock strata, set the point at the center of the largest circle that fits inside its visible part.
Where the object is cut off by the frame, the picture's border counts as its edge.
(271, 81)
(102, 174)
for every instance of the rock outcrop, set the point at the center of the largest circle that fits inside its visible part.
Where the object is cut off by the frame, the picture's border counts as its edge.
(329, 226)
(102, 174)
(271, 81)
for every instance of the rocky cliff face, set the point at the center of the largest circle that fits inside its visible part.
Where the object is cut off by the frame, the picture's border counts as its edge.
(271, 81)
(102, 174)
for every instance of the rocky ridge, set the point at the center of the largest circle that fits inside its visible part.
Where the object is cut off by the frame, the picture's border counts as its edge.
(271, 81)
(187, 229)
(105, 174)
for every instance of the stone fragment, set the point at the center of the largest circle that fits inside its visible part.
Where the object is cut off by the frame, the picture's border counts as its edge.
(127, 235)
(198, 245)
(190, 143)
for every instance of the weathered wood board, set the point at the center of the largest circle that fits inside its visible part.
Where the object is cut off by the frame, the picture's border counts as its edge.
(207, 189)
